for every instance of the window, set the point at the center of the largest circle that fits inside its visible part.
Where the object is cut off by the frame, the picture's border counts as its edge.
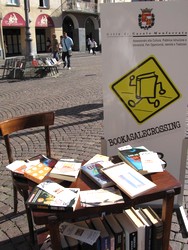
(13, 2)
(44, 3)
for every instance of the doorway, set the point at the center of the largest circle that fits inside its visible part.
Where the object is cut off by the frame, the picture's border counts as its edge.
(41, 40)
(12, 41)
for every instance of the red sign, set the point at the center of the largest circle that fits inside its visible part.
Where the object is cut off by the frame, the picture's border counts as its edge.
(44, 20)
(13, 19)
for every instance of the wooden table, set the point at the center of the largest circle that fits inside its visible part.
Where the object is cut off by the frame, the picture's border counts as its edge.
(167, 187)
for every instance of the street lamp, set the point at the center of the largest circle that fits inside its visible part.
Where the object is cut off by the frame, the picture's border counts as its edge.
(28, 39)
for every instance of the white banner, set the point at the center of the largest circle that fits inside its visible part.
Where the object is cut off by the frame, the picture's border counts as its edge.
(145, 54)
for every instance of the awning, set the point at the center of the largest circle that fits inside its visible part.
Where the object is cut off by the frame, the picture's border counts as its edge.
(13, 19)
(44, 20)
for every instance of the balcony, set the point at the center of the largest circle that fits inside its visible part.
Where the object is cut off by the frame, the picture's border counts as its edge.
(79, 6)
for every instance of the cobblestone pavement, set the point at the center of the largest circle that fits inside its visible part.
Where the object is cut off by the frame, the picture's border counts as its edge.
(76, 97)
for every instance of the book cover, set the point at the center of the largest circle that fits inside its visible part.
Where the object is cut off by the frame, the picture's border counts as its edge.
(148, 226)
(93, 171)
(157, 228)
(18, 167)
(104, 235)
(98, 158)
(112, 238)
(80, 231)
(84, 245)
(66, 170)
(37, 173)
(52, 196)
(130, 181)
(100, 197)
(140, 228)
(130, 231)
(131, 156)
(116, 229)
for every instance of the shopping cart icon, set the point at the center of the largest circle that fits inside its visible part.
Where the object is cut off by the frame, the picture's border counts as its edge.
(146, 88)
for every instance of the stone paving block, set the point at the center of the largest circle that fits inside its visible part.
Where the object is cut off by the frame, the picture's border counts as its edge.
(176, 245)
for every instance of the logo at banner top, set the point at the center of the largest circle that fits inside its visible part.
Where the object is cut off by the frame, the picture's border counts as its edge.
(146, 19)
(146, 90)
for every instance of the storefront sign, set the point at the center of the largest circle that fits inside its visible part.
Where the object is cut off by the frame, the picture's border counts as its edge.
(44, 20)
(13, 19)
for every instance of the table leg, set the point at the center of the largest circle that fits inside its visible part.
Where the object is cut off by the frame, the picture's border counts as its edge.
(167, 210)
(54, 232)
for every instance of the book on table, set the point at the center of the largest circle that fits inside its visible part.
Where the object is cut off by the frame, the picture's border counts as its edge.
(100, 197)
(93, 171)
(130, 181)
(132, 157)
(38, 172)
(66, 170)
(52, 196)
(157, 228)
(130, 231)
(18, 167)
(98, 158)
(139, 226)
(141, 159)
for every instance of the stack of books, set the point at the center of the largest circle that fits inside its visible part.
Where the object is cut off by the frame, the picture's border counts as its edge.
(135, 229)
(66, 169)
(141, 159)
(51, 195)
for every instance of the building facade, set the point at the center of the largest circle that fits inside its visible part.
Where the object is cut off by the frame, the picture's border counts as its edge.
(37, 20)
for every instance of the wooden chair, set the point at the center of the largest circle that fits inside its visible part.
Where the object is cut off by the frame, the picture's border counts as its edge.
(16, 124)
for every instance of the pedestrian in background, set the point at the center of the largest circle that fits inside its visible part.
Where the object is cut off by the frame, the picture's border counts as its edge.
(93, 46)
(48, 45)
(55, 47)
(67, 44)
(89, 44)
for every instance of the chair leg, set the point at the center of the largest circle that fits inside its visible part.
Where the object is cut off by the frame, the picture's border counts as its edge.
(29, 218)
(15, 197)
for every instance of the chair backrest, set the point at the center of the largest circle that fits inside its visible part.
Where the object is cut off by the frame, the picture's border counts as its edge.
(12, 125)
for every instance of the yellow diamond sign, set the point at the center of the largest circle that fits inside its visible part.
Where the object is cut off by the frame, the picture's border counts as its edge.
(146, 89)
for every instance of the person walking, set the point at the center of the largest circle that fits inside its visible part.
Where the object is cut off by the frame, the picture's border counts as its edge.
(48, 45)
(89, 44)
(55, 47)
(67, 44)
(93, 46)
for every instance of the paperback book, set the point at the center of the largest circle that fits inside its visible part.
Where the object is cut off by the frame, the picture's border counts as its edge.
(93, 171)
(83, 234)
(51, 195)
(66, 170)
(38, 172)
(100, 197)
(131, 155)
(17, 167)
(128, 180)
(157, 228)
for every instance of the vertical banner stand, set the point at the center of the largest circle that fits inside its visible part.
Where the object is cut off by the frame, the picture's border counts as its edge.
(145, 91)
